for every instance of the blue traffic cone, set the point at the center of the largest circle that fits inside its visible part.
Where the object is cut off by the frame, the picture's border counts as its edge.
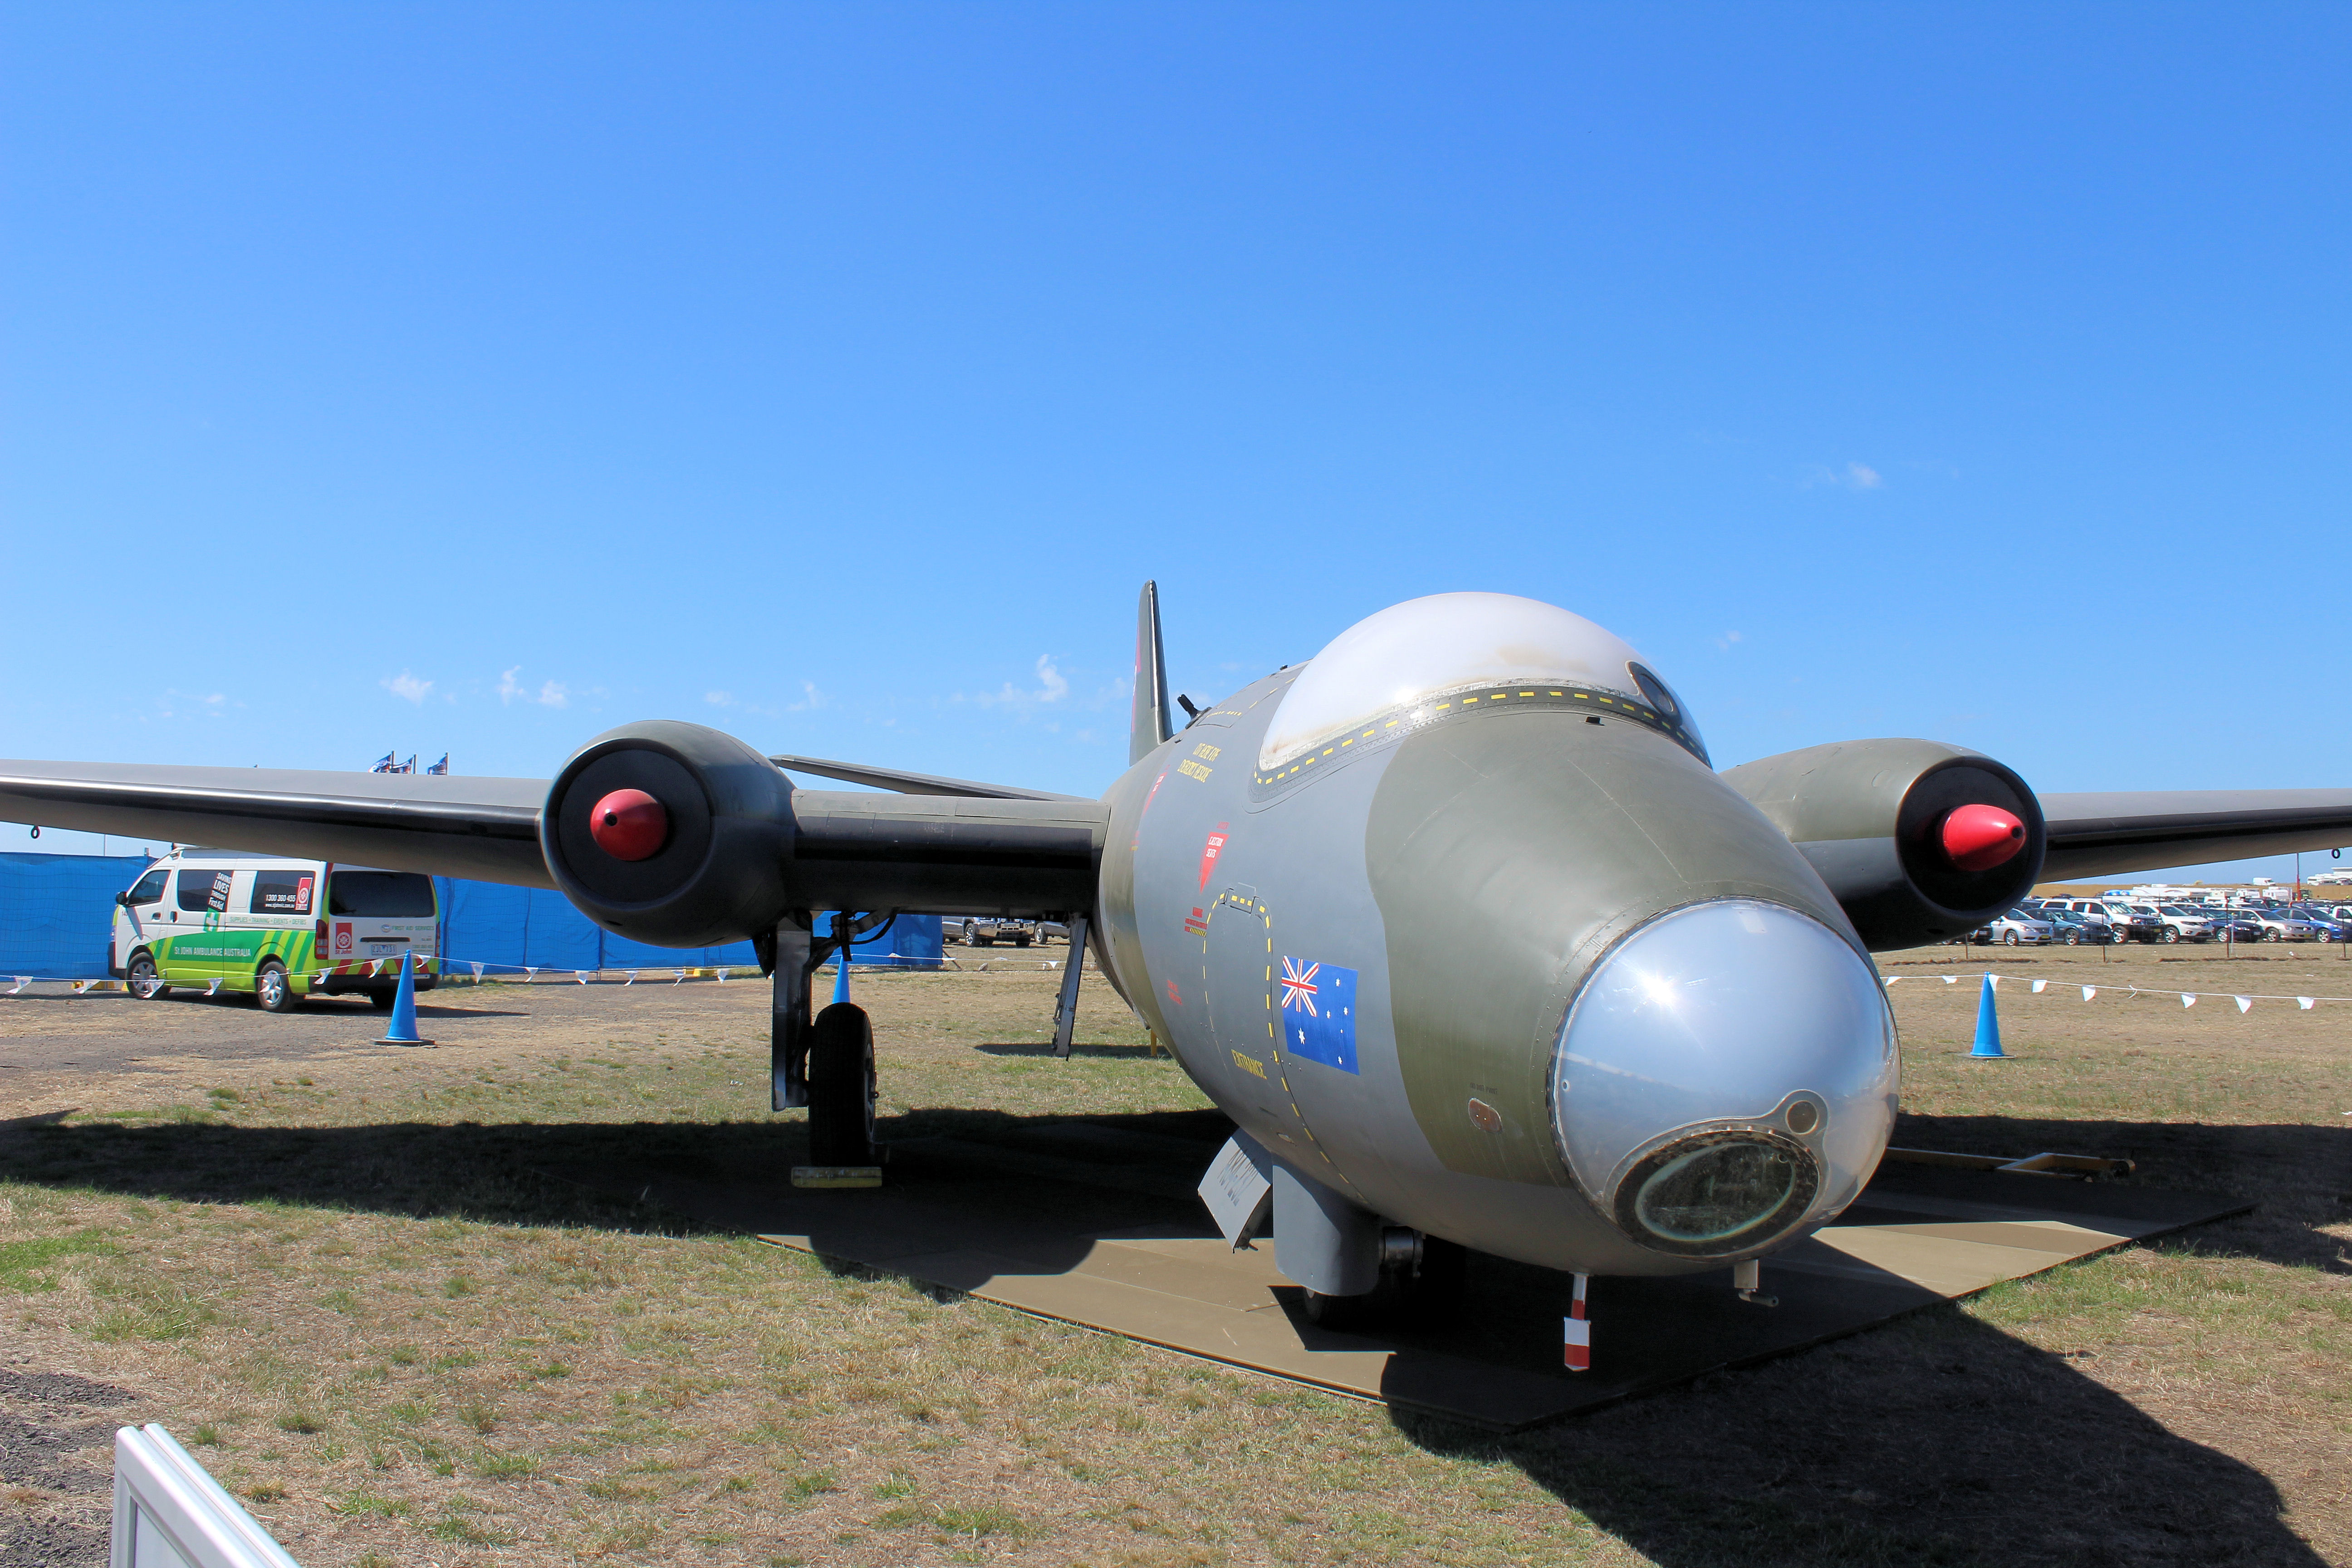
(841, 975)
(1988, 1025)
(403, 1008)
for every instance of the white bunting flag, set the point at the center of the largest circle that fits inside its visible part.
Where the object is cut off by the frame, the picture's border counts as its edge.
(632, 980)
(581, 976)
(2040, 986)
(2089, 991)
(478, 970)
(681, 978)
(1993, 981)
(319, 978)
(214, 989)
(2243, 1003)
(81, 988)
(529, 975)
(2304, 1003)
(1949, 979)
(722, 976)
(24, 980)
(2188, 998)
(1893, 978)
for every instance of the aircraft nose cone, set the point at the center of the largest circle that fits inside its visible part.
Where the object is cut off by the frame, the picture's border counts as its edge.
(629, 825)
(1726, 1075)
(1978, 837)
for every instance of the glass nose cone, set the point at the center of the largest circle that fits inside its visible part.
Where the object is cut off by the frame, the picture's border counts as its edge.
(1727, 1074)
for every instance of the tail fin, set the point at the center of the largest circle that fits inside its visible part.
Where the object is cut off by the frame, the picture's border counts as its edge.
(1151, 726)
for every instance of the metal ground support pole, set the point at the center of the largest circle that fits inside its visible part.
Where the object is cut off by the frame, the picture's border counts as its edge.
(789, 1022)
(1065, 1008)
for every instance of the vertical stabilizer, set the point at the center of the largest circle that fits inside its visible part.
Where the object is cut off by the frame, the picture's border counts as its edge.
(1150, 679)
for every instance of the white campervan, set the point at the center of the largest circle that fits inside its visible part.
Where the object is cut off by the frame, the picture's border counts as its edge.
(278, 928)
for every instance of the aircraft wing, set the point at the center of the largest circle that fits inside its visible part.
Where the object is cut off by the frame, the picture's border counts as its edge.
(913, 783)
(2106, 835)
(480, 827)
(933, 854)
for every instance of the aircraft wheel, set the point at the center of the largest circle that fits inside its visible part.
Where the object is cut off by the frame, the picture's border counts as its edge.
(382, 999)
(146, 980)
(272, 992)
(841, 1087)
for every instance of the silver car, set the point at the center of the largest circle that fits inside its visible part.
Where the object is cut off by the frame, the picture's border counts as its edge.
(2015, 929)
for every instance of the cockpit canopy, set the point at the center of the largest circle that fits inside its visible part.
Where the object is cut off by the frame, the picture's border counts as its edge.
(1425, 648)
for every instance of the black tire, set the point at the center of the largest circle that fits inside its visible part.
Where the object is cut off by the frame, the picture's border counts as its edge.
(2073, 939)
(145, 980)
(841, 1089)
(272, 992)
(2171, 934)
(1022, 940)
(982, 940)
(2009, 939)
(382, 999)
(2273, 936)
(967, 933)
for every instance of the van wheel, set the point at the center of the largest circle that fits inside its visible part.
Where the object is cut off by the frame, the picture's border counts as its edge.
(272, 992)
(146, 980)
(1021, 942)
(382, 999)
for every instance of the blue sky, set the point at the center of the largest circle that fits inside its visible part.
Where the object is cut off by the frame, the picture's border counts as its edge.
(471, 379)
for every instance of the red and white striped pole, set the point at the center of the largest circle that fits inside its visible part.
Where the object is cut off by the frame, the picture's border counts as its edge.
(1576, 1329)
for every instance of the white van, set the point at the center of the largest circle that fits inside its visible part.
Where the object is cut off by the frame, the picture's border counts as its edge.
(279, 930)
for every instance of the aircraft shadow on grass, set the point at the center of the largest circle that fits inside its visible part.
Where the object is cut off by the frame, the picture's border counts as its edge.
(1932, 1439)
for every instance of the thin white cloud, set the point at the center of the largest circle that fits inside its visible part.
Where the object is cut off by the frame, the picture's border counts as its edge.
(407, 687)
(810, 698)
(1052, 687)
(1726, 640)
(550, 694)
(719, 699)
(1852, 477)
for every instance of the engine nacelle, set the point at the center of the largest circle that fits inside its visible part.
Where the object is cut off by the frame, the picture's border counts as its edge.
(670, 833)
(1919, 841)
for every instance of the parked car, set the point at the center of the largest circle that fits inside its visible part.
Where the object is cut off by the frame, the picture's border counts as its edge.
(2077, 931)
(2329, 924)
(987, 930)
(2234, 925)
(2015, 929)
(2127, 926)
(2278, 925)
(2183, 923)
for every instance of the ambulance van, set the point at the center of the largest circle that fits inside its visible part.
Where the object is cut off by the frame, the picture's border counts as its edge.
(277, 929)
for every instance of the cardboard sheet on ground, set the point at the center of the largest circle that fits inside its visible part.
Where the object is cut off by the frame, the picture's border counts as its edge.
(1097, 1225)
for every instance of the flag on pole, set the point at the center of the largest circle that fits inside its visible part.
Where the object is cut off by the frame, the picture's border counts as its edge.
(383, 765)
(440, 767)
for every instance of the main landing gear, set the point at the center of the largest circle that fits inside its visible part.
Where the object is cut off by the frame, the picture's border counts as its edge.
(826, 1065)
(1359, 1274)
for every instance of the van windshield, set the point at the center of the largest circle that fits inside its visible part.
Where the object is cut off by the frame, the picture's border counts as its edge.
(380, 893)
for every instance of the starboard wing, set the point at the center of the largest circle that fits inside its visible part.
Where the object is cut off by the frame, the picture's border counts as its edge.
(2109, 834)
(486, 828)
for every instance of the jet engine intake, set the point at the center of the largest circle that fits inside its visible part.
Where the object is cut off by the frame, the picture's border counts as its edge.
(1918, 840)
(671, 832)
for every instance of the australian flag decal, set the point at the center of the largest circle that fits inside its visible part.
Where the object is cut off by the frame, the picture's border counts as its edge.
(1319, 1012)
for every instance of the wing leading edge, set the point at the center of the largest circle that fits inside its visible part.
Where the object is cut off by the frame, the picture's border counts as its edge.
(935, 853)
(2109, 834)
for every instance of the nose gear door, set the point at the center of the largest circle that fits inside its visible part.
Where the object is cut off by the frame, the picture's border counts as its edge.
(1237, 977)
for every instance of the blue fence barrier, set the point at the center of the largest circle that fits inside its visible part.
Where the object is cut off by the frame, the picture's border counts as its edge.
(57, 911)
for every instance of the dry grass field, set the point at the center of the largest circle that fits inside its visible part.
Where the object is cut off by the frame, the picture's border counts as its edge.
(337, 1272)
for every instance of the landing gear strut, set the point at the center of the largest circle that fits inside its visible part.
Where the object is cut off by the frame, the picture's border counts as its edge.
(826, 1065)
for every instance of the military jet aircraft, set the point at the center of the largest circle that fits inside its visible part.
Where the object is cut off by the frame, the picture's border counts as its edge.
(1456, 920)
